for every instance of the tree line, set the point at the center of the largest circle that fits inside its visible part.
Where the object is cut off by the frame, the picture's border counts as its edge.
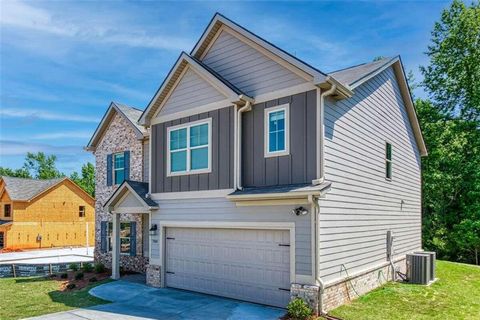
(42, 166)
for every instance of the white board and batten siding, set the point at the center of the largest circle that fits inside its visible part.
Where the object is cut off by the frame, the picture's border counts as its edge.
(223, 210)
(247, 68)
(362, 205)
(191, 91)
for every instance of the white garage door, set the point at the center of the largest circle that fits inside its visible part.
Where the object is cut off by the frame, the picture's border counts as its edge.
(246, 264)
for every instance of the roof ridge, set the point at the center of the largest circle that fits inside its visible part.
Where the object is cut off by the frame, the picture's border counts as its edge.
(360, 64)
(126, 105)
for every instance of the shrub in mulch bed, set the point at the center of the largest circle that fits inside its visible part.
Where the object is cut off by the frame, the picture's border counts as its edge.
(79, 280)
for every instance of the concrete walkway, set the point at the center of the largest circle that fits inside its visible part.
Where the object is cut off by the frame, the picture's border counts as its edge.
(54, 255)
(137, 301)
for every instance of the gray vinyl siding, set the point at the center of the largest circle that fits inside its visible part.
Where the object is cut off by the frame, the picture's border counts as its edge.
(247, 68)
(146, 161)
(363, 205)
(192, 91)
(221, 209)
(221, 176)
(297, 167)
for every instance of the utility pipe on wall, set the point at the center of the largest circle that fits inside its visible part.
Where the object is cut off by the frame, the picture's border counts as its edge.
(320, 134)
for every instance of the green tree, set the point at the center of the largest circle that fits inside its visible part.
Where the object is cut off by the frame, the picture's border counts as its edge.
(87, 179)
(452, 77)
(42, 166)
(451, 184)
(19, 173)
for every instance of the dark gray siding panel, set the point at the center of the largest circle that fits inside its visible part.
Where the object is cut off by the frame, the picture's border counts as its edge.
(221, 176)
(297, 167)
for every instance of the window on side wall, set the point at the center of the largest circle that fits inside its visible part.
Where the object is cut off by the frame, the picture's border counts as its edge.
(81, 211)
(388, 161)
(118, 167)
(277, 127)
(7, 210)
(124, 237)
(189, 148)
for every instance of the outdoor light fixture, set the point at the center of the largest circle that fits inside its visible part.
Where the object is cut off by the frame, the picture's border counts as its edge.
(300, 211)
(153, 230)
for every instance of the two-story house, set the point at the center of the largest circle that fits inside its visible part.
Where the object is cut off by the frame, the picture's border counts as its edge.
(268, 178)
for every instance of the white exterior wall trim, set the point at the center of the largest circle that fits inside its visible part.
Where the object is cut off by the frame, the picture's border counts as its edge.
(290, 226)
(220, 193)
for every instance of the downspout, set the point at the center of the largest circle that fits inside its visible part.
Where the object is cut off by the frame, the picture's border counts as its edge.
(321, 133)
(318, 280)
(238, 172)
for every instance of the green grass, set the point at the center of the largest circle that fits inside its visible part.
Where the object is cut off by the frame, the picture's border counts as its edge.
(456, 295)
(28, 297)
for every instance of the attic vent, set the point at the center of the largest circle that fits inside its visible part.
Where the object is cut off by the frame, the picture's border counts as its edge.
(421, 267)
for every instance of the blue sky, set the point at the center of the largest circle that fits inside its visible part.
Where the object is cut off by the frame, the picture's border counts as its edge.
(62, 62)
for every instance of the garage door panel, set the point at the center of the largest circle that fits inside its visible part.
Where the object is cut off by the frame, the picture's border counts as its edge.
(238, 263)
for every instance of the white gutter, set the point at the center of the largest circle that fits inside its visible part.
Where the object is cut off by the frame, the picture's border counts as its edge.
(321, 133)
(238, 145)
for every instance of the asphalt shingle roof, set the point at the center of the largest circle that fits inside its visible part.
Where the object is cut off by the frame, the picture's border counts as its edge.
(281, 189)
(353, 74)
(141, 188)
(25, 189)
(132, 114)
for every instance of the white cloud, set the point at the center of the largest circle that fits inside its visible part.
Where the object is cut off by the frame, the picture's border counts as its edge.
(45, 115)
(17, 14)
(62, 135)
(13, 148)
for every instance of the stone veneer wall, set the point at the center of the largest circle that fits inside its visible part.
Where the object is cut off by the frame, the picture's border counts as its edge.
(119, 137)
(342, 292)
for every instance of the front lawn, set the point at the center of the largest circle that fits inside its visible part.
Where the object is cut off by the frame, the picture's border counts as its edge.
(456, 295)
(28, 297)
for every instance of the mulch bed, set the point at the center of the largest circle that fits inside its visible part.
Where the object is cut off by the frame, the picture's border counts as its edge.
(79, 284)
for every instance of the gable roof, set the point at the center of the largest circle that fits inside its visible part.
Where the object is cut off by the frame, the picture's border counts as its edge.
(139, 189)
(357, 75)
(22, 189)
(130, 114)
(218, 20)
(184, 61)
(353, 75)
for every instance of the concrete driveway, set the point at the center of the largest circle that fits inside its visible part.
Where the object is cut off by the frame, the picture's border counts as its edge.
(137, 301)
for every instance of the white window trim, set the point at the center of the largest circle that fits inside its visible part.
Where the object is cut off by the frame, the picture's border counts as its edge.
(188, 149)
(109, 237)
(114, 170)
(286, 108)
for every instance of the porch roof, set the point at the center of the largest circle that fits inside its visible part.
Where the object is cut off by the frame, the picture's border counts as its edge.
(136, 188)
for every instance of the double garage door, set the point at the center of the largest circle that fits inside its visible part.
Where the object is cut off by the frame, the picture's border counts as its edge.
(245, 264)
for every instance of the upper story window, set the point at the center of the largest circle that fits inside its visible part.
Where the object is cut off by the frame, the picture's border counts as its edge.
(7, 210)
(189, 148)
(388, 161)
(277, 127)
(81, 211)
(118, 167)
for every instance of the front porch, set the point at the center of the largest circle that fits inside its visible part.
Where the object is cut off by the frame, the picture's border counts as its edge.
(129, 199)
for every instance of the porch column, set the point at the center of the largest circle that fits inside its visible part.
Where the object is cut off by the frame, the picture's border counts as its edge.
(116, 246)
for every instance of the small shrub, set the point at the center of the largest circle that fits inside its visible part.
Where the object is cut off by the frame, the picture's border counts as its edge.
(71, 286)
(298, 309)
(79, 276)
(87, 267)
(64, 276)
(99, 267)
(73, 267)
(93, 279)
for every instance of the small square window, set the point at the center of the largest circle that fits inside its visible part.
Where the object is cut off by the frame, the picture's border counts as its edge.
(81, 211)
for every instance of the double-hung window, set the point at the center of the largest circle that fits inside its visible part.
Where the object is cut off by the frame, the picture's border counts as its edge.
(277, 127)
(124, 237)
(118, 167)
(7, 210)
(189, 148)
(388, 161)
